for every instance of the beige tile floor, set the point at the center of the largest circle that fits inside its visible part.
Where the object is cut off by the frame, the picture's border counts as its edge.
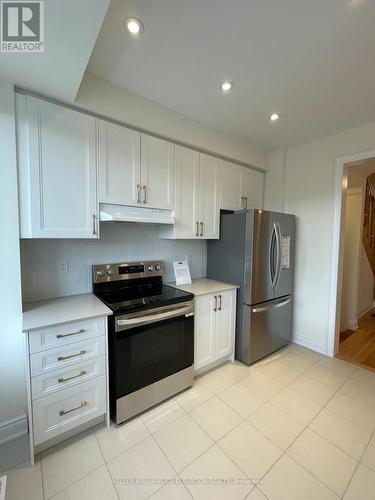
(295, 426)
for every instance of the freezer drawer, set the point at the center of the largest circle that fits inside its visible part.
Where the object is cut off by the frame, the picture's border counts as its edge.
(266, 327)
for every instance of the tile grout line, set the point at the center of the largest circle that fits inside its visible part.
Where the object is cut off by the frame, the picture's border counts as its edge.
(41, 475)
(359, 462)
(284, 452)
(106, 466)
(307, 427)
(77, 480)
(302, 431)
(215, 442)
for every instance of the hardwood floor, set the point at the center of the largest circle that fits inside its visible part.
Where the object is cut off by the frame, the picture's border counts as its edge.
(359, 347)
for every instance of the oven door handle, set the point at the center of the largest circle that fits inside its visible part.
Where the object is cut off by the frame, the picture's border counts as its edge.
(153, 318)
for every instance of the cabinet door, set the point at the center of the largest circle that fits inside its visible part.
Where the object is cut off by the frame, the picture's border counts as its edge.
(225, 328)
(157, 172)
(62, 163)
(186, 193)
(230, 182)
(252, 187)
(209, 184)
(204, 331)
(119, 164)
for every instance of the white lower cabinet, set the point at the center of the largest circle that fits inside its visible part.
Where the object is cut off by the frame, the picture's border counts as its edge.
(214, 329)
(204, 331)
(48, 383)
(67, 378)
(67, 409)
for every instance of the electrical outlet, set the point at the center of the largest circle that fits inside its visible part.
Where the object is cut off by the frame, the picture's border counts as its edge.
(62, 267)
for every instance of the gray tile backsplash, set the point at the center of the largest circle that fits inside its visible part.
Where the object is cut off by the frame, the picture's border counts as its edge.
(43, 261)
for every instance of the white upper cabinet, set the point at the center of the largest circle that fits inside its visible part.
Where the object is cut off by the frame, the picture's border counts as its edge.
(187, 193)
(157, 172)
(241, 187)
(119, 164)
(196, 202)
(209, 189)
(231, 192)
(57, 170)
(252, 188)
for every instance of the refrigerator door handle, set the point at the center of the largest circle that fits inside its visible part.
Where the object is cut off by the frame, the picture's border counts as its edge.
(272, 271)
(270, 307)
(278, 256)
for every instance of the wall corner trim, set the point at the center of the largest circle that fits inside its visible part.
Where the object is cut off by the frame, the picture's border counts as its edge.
(12, 429)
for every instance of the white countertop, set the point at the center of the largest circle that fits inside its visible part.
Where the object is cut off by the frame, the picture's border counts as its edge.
(204, 286)
(49, 312)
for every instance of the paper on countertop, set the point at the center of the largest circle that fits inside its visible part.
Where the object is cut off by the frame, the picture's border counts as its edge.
(182, 272)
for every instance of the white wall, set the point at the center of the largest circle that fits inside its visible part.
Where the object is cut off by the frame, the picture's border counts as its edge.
(352, 253)
(274, 186)
(12, 386)
(119, 242)
(366, 284)
(309, 193)
(105, 98)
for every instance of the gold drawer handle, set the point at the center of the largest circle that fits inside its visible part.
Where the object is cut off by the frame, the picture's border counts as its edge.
(61, 335)
(63, 358)
(65, 412)
(81, 374)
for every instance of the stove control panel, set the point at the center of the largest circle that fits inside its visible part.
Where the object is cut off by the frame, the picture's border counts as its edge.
(126, 271)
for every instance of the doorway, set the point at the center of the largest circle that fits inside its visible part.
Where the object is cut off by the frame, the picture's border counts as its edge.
(352, 324)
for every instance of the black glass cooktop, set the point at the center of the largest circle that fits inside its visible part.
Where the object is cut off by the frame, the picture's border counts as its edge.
(143, 296)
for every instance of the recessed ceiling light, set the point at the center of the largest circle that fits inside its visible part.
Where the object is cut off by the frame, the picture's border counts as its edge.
(274, 117)
(134, 25)
(226, 86)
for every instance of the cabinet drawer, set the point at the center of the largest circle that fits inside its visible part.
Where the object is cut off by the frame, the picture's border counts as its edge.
(58, 380)
(54, 359)
(61, 335)
(67, 409)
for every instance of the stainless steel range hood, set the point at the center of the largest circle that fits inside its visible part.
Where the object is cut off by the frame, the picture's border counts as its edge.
(125, 213)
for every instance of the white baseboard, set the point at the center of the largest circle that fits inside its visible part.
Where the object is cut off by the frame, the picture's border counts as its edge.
(352, 324)
(12, 429)
(314, 345)
(365, 309)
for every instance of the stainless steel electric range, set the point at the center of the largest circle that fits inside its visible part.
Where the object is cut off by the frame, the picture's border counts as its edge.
(151, 336)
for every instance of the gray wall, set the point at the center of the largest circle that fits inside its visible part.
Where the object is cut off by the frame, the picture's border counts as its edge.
(119, 242)
(12, 385)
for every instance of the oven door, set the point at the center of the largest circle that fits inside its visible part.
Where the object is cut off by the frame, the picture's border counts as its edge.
(148, 346)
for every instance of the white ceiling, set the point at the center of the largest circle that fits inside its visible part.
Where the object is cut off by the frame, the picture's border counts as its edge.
(71, 28)
(310, 60)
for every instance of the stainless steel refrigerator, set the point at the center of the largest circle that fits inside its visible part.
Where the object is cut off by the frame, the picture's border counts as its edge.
(256, 252)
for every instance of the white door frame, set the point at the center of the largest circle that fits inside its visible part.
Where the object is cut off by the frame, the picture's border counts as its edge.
(341, 185)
